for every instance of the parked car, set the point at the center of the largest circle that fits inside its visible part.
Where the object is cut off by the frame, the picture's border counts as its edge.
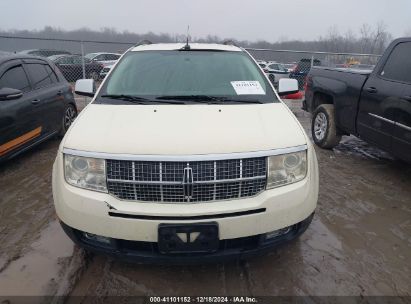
(105, 71)
(361, 66)
(72, 67)
(262, 64)
(275, 72)
(301, 70)
(103, 58)
(191, 159)
(373, 105)
(290, 66)
(341, 65)
(36, 103)
(44, 52)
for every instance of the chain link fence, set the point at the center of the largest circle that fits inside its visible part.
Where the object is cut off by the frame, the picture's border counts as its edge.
(93, 59)
(279, 64)
(87, 59)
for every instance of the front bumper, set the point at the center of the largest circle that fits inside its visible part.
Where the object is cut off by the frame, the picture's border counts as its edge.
(148, 252)
(102, 214)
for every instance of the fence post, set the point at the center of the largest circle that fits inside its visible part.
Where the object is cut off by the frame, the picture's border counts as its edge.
(312, 60)
(82, 60)
(83, 67)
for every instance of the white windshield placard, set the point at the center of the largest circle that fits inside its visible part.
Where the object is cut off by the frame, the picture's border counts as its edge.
(248, 87)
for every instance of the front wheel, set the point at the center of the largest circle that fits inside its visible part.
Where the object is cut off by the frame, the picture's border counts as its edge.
(70, 114)
(272, 78)
(323, 127)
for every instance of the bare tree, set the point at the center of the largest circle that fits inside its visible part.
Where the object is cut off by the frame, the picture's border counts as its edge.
(369, 40)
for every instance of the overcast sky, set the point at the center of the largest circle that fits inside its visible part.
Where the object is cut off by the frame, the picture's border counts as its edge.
(249, 20)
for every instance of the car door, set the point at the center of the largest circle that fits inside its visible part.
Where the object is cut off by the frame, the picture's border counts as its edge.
(48, 93)
(401, 140)
(18, 125)
(382, 99)
(400, 72)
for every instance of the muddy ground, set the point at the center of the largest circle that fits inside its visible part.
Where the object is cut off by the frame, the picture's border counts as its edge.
(358, 244)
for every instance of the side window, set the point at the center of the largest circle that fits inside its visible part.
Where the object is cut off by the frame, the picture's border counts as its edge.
(99, 57)
(274, 66)
(51, 73)
(15, 78)
(65, 60)
(398, 65)
(77, 60)
(39, 75)
(112, 57)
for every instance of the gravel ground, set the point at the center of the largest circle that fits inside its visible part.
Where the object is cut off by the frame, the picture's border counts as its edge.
(358, 244)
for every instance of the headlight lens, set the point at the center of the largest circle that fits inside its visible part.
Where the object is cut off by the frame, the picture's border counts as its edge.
(286, 169)
(85, 172)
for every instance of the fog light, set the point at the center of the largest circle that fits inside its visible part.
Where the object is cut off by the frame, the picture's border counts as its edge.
(96, 238)
(276, 233)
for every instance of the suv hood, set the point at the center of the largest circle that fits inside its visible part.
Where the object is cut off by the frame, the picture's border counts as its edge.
(184, 129)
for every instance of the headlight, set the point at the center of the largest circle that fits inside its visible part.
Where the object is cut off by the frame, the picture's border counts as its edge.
(286, 169)
(85, 172)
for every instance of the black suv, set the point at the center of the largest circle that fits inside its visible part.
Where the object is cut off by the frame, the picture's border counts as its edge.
(36, 103)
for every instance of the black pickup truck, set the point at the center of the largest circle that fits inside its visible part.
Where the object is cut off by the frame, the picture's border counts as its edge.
(373, 105)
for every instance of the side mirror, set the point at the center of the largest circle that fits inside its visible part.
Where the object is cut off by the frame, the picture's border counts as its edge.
(287, 86)
(9, 94)
(85, 87)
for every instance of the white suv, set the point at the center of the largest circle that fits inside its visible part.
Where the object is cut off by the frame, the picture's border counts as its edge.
(186, 154)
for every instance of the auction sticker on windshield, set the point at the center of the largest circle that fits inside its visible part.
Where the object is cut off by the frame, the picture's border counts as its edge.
(248, 87)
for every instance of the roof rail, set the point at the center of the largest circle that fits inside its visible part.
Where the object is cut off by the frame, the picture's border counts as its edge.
(229, 42)
(143, 42)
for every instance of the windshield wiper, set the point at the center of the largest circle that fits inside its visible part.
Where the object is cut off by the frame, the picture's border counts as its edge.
(178, 99)
(205, 99)
(197, 98)
(138, 99)
(125, 97)
(243, 101)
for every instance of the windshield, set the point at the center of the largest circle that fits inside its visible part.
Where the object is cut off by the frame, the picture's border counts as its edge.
(162, 74)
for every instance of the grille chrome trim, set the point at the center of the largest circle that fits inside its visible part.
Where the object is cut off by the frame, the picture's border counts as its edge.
(186, 182)
(182, 183)
(189, 158)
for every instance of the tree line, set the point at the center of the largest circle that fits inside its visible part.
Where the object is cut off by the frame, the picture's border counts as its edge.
(368, 39)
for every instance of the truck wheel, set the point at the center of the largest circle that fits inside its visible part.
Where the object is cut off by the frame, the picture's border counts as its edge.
(272, 78)
(70, 113)
(323, 128)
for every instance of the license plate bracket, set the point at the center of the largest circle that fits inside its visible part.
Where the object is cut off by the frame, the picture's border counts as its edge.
(188, 238)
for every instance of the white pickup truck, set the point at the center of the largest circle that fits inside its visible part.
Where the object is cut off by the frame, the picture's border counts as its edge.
(185, 154)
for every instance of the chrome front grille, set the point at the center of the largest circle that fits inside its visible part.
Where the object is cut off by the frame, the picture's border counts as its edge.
(179, 182)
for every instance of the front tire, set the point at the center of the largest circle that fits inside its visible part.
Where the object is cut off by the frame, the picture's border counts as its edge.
(272, 78)
(70, 114)
(323, 127)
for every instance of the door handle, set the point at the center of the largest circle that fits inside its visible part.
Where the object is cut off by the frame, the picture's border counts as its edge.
(35, 101)
(59, 92)
(408, 98)
(371, 90)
